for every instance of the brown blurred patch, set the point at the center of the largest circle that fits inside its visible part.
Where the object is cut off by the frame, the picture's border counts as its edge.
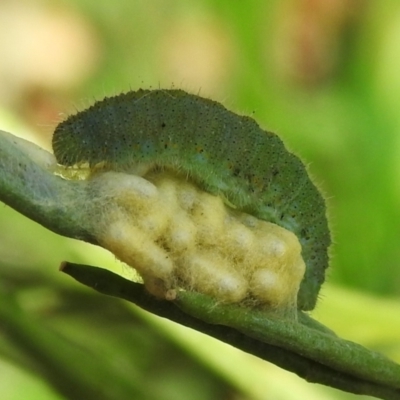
(313, 37)
(45, 49)
(198, 52)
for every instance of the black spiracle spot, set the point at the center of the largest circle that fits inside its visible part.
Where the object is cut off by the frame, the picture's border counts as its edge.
(305, 234)
(236, 171)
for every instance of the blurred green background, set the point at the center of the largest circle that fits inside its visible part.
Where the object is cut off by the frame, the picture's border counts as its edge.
(324, 75)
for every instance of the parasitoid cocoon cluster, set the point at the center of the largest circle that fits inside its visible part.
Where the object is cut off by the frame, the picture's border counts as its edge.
(179, 237)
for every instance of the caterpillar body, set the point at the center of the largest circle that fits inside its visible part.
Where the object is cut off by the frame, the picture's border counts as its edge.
(224, 153)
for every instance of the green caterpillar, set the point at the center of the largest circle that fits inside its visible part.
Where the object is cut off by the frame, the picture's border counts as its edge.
(224, 153)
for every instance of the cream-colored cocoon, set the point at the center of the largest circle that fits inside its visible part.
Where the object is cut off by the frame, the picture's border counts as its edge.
(179, 237)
